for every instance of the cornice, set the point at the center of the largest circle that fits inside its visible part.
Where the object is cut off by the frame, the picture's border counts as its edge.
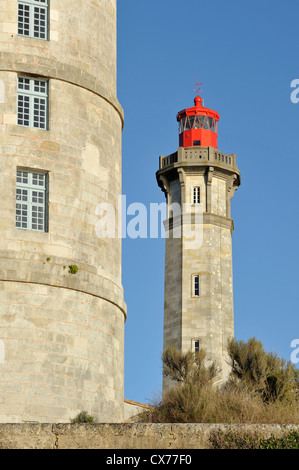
(53, 69)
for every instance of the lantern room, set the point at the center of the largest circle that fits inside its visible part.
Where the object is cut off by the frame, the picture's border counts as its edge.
(198, 126)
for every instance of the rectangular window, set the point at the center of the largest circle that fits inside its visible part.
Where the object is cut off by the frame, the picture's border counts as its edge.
(196, 286)
(31, 193)
(196, 195)
(32, 102)
(196, 345)
(33, 18)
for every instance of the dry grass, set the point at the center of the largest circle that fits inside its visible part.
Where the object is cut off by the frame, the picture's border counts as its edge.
(189, 404)
(262, 388)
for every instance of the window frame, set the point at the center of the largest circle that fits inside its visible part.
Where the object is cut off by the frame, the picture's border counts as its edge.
(194, 347)
(195, 285)
(196, 195)
(27, 101)
(31, 5)
(28, 202)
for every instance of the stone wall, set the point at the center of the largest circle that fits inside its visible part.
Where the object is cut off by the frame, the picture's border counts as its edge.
(125, 436)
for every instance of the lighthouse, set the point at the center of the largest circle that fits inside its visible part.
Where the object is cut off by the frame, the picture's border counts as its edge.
(198, 291)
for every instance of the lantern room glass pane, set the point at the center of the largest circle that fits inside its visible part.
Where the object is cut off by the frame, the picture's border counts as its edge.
(182, 125)
(206, 123)
(191, 121)
(201, 121)
(196, 123)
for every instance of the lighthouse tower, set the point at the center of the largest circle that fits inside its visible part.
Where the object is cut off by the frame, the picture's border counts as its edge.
(198, 297)
(62, 309)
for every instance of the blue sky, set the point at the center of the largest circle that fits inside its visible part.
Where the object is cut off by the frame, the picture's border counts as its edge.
(246, 55)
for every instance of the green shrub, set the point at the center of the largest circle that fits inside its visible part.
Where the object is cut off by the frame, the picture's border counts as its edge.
(264, 373)
(262, 388)
(289, 441)
(188, 368)
(73, 269)
(239, 440)
(83, 417)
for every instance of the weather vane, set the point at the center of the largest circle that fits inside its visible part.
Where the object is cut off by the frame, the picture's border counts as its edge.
(197, 84)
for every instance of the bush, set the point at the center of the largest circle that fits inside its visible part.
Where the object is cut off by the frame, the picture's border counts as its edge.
(83, 417)
(289, 441)
(188, 368)
(73, 269)
(235, 440)
(261, 389)
(261, 372)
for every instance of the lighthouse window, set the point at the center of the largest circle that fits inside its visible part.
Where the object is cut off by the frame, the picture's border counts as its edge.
(206, 123)
(33, 18)
(31, 200)
(187, 124)
(201, 121)
(191, 121)
(196, 286)
(197, 122)
(32, 102)
(211, 123)
(196, 345)
(196, 195)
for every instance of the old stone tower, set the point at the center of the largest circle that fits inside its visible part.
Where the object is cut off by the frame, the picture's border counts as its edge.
(62, 310)
(201, 180)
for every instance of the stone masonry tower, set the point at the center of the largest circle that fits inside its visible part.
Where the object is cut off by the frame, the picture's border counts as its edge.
(62, 310)
(198, 304)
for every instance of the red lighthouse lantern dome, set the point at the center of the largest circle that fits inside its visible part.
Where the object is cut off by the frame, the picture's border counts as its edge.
(198, 126)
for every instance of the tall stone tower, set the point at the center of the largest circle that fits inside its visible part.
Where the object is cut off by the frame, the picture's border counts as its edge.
(198, 304)
(62, 309)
